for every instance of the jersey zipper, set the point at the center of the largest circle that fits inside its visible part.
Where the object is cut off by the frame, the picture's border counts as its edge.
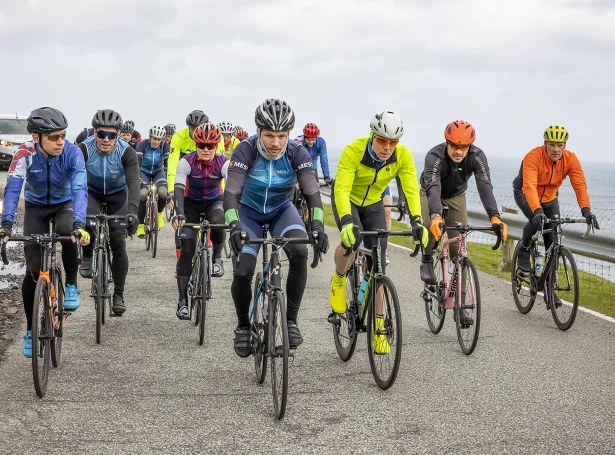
(544, 189)
(370, 185)
(48, 182)
(267, 190)
(104, 175)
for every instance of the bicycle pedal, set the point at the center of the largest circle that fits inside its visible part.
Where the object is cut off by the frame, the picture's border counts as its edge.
(333, 319)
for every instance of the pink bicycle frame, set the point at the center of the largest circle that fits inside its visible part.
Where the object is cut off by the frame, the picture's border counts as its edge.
(451, 286)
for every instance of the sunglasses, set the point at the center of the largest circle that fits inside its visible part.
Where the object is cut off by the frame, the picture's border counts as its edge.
(463, 148)
(209, 147)
(106, 135)
(56, 137)
(382, 142)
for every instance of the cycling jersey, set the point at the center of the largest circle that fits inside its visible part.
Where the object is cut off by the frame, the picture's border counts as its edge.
(268, 183)
(361, 180)
(319, 149)
(442, 178)
(227, 148)
(110, 173)
(540, 177)
(181, 144)
(200, 180)
(49, 181)
(152, 160)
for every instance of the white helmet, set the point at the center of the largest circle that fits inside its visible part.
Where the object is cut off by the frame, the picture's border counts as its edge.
(157, 131)
(225, 127)
(387, 124)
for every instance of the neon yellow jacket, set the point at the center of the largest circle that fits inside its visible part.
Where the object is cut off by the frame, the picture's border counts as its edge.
(228, 153)
(181, 145)
(359, 181)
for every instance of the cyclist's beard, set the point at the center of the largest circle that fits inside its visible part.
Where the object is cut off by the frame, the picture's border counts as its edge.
(263, 150)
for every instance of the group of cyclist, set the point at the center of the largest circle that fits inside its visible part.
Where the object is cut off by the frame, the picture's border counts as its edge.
(250, 181)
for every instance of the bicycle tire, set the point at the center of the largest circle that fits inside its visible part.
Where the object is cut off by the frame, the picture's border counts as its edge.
(41, 349)
(435, 311)
(259, 333)
(468, 344)
(99, 298)
(278, 354)
(203, 303)
(347, 328)
(154, 232)
(227, 250)
(518, 278)
(195, 279)
(58, 321)
(109, 286)
(148, 231)
(168, 213)
(564, 325)
(393, 326)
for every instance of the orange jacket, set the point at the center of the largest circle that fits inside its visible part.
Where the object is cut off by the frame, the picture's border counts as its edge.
(542, 177)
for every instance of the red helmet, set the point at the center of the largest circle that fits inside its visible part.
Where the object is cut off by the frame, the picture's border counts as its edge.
(241, 134)
(311, 131)
(207, 133)
(460, 132)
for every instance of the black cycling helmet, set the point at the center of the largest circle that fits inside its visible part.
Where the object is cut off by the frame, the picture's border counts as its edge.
(274, 114)
(170, 129)
(196, 118)
(107, 118)
(128, 127)
(46, 120)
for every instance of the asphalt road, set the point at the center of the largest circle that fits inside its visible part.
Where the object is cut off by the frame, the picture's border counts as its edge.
(149, 387)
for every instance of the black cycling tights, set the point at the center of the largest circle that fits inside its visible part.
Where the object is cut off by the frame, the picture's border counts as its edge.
(241, 289)
(36, 221)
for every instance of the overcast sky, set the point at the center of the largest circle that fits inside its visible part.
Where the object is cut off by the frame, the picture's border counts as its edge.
(509, 68)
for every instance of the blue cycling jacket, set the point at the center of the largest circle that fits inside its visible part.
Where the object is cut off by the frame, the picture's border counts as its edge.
(105, 170)
(49, 181)
(319, 149)
(151, 160)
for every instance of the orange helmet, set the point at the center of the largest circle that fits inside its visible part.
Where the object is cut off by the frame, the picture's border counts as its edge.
(460, 132)
(241, 134)
(207, 133)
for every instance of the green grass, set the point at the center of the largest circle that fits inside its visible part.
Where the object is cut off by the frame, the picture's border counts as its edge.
(596, 293)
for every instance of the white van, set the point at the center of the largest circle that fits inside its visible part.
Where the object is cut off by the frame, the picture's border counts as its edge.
(13, 133)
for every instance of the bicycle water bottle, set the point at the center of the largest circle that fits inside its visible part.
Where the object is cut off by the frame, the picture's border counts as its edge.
(361, 294)
(539, 262)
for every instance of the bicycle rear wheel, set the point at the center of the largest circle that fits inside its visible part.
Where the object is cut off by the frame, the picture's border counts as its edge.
(433, 295)
(345, 328)
(203, 302)
(58, 319)
(523, 283)
(41, 332)
(564, 282)
(278, 351)
(470, 302)
(227, 250)
(384, 339)
(99, 296)
(168, 214)
(148, 224)
(259, 331)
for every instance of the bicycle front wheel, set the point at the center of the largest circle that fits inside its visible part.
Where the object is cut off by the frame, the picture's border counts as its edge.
(194, 291)
(154, 232)
(467, 318)
(345, 327)
(523, 284)
(41, 337)
(433, 295)
(99, 296)
(259, 331)
(563, 289)
(58, 320)
(204, 273)
(278, 352)
(384, 339)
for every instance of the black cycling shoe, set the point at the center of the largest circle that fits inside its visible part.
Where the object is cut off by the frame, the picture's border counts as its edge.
(428, 275)
(182, 311)
(294, 335)
(217, 269)
(243, 341)
(85, 270)
(118, 306)
(466, 321)
(523, 259)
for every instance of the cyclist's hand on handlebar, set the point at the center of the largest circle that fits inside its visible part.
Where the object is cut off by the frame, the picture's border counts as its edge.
(238, 238)
(170, 201)
(437, 227)
(177, 220)
(132, 222)
(6, 230)
(590, 218)
(499, 227)
(81, 234)
(321, 240)
(328, 180)
(347, 235)
(419, 232)
(539, 220)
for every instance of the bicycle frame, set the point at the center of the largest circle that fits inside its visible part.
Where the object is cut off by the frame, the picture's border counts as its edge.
(455, 278)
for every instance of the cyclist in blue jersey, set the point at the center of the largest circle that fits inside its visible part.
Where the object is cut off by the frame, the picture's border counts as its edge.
(113, 178)
(317, 147)
(129, 134)
(259, 189)
(198, 189)
(153, 154)
(55, 187)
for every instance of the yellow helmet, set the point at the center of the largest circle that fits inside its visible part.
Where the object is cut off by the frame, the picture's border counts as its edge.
(556, 133)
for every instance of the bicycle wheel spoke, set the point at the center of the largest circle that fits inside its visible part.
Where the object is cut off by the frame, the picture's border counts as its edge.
(563, 288)
(523, 290)
(344, 330)
(434, 298)
(468, 316)
(279, 352)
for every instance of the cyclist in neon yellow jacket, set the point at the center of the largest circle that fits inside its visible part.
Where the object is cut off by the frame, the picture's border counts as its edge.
(366, 167)
(228, 142)
(182, 144)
